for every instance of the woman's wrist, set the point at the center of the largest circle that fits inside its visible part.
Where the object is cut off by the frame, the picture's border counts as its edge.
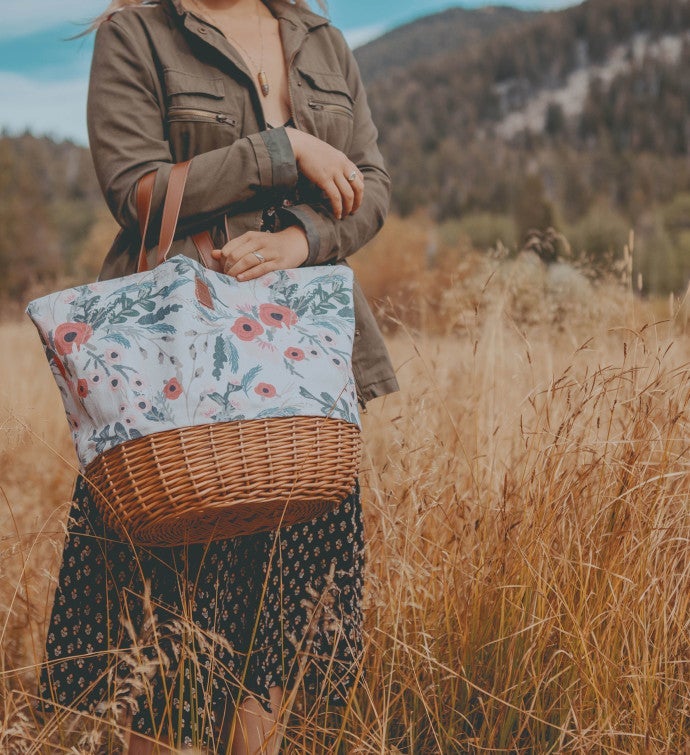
(295, 137)
(296, 241)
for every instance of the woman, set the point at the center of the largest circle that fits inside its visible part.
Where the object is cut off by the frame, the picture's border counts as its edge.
(266, 99)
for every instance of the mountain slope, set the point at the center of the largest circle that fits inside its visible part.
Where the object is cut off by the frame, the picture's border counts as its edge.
(451, 30)
(600, 79)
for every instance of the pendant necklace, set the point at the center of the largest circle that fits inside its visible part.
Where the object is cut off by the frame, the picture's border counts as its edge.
(261, 74)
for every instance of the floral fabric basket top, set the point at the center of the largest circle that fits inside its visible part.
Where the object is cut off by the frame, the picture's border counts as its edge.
(204, 407)
(161, 352)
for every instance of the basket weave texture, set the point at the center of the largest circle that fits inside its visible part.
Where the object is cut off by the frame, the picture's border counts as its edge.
(197, 484)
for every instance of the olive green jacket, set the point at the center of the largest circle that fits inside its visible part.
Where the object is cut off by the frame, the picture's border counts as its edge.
(167, 87)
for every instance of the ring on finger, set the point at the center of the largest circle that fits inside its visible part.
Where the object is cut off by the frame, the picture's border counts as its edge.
(353, 175)
(259, 257)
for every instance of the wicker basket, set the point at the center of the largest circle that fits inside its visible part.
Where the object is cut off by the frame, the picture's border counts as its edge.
(196, 484)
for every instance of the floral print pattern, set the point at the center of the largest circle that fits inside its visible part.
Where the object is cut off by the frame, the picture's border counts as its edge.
(277, 346)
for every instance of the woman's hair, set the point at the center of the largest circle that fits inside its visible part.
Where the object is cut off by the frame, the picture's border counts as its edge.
(117, 4)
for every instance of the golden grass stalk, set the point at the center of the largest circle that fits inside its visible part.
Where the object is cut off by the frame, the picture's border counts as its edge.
(527, 520)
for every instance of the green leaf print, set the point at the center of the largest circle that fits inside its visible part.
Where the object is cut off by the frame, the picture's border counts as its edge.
(159, 315)
(220, 358)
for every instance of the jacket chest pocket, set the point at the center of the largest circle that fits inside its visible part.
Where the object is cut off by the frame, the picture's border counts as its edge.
(329, 105)
(200, 117)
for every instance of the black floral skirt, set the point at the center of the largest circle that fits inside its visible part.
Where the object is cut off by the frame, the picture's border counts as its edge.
(180, 634)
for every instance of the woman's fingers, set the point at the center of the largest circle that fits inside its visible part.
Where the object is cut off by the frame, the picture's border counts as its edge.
(264, 252)
(358, 189)
(345, 195)
(256, 270)
(332, 192)
(235, 251)
(330, 169)
(252, 258)
(347, 192)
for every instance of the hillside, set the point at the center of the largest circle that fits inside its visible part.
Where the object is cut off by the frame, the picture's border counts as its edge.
(446, 32)
(49, 203)
(578, 118)
(606, 74)
(493, 122)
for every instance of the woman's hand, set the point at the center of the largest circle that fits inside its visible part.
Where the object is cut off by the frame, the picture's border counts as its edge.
(255, 253)
(329, 169)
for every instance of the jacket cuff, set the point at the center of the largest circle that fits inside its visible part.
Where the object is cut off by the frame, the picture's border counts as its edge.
(319, 230)
(274, 158)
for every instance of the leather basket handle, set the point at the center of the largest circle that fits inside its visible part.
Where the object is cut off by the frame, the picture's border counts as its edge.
(171, 214)
(144, 198)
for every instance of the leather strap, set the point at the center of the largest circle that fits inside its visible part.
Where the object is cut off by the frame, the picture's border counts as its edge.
(171, 208)
(144, 199)
(171, 211)
(204, 246)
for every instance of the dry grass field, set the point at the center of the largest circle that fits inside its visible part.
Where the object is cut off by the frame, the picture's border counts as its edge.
(527, 517)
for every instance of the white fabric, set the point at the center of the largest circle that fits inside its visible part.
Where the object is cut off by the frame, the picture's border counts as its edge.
(143, 354)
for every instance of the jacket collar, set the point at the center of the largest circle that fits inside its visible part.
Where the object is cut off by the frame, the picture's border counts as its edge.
(295, 24)
(299, 17)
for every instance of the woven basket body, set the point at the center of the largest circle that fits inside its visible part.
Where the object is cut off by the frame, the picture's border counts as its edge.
(196, 484)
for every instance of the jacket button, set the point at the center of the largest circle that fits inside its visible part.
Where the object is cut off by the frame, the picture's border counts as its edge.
(357, 332)
(202, 30)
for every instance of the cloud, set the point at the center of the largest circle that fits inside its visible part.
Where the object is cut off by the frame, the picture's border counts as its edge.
(28, 16)
(363, 34)
(54, 108)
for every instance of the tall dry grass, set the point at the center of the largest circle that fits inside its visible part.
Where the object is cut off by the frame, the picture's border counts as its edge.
(527, 519)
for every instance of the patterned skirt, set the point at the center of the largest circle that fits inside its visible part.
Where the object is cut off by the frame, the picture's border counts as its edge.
(181, 634)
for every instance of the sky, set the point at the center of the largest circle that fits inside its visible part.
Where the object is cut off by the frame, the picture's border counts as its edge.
(44, 76)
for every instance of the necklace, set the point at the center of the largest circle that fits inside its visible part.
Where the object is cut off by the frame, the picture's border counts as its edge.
(260, 73)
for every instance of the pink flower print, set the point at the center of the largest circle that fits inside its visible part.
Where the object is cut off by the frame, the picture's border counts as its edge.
(113, 355)
(69, 334)
(115, 382)
(96, 378)
(61, 367)
(327, 339)
(172, 389)
(246, 329)
(276, 316)
(266, 390)
(294, 353)
(142, 405)
(82, 387)
(138, 382)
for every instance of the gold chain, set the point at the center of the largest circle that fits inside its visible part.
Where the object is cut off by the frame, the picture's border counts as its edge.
(260, 73)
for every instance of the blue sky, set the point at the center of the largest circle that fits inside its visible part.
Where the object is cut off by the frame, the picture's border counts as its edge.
(43, 77)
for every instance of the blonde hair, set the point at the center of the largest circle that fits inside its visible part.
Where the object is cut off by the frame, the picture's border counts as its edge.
(117, 4)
